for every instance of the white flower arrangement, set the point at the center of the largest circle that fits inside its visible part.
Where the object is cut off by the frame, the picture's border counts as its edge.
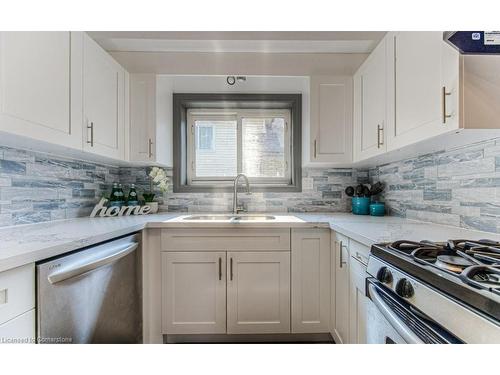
(159, 177)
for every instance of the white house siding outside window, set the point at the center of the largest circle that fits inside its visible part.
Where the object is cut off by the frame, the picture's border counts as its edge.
(223, 143)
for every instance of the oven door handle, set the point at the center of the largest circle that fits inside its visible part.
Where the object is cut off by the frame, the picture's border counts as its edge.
(96, 260)
(400, 327)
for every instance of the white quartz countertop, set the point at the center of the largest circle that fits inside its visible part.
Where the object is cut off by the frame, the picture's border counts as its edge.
(24, 244)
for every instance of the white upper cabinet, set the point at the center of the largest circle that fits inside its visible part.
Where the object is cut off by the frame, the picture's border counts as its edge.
(331, 120)
(104, 102)
(37, 89)
(370, 100)
(425, 80)
(143, 117)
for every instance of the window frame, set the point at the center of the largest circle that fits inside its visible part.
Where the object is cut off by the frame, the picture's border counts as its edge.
(237, 115)
(182, 102)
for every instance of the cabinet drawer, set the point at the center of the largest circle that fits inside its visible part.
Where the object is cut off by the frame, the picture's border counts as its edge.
(20, 330)
(359, 252)
(225, 239)
(17, 291)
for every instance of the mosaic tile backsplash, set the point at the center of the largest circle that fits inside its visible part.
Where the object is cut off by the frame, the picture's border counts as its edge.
(322, 191)
(459, 187)
(37, 187)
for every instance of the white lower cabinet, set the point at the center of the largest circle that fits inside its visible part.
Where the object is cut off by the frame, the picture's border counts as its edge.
(194, 292)
(258, 292)
(249, 281)
(17, 305)
(20, 330)
(357, 302)
(310, 280)
(340, 301)
(218, 292)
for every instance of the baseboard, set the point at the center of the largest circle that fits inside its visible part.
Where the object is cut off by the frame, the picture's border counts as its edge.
(323, 338)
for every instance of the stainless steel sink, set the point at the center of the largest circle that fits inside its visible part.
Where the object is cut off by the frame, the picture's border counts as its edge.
(210, 217)
(255, 218)
(230, 217)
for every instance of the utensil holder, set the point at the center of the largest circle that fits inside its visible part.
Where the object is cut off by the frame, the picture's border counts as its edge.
(361, 206)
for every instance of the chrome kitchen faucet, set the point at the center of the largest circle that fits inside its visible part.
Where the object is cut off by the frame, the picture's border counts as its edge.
(237, 209)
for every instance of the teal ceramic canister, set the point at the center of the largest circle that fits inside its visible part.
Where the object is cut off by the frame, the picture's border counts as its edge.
(377, 209)
(361, 205)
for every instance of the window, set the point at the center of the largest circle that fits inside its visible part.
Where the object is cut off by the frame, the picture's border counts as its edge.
(218, 136)
(223, 143)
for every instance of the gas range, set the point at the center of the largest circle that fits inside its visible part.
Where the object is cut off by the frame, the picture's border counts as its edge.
(454, 285)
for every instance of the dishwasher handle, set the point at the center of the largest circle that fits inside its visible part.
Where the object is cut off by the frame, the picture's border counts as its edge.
(92, 262)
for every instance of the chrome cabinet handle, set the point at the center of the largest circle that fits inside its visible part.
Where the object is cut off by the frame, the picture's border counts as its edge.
(315, 149)
(341, 261)
(380, 139)
(360, 258)
(4, 296)
(444, 94)
(231, 268)
(91, 127)
(220, 268)
(150, 148)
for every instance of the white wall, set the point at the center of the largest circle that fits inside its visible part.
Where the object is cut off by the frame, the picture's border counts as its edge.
(168, 84)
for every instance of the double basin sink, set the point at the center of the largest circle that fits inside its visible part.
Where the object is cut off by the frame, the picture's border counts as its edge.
(230, 218)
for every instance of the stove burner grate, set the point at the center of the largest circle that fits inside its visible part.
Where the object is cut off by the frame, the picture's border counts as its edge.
(477, 263)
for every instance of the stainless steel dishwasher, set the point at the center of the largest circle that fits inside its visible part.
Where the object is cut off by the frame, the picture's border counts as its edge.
(92, 295)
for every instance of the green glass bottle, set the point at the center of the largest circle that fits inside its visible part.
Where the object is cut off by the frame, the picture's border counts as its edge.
(121, 196)
(132, 199)
(115, 196)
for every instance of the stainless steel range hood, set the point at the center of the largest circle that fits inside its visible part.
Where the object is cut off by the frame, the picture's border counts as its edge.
(479, 77)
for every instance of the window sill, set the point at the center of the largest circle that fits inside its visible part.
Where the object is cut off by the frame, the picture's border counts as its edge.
(229, 188)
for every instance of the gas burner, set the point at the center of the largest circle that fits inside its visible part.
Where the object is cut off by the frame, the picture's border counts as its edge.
(483, 277)
(453, 263)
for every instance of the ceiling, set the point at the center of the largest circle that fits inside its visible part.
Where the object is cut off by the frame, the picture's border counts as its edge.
(239, 41)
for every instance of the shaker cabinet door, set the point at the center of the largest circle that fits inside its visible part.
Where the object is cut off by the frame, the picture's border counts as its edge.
(194, 292)
(357, 302)
(103, 102)
(340, 331)
(370, 99)
(258, 292)
(331, 120)
(37, 86)
(143, 117)
(425, 82)
(310, 280)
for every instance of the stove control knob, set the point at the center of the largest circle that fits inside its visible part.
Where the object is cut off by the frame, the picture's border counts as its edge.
(404, 288)
(384, 275)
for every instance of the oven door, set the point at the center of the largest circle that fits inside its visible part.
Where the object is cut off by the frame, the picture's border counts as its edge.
(393, 321)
